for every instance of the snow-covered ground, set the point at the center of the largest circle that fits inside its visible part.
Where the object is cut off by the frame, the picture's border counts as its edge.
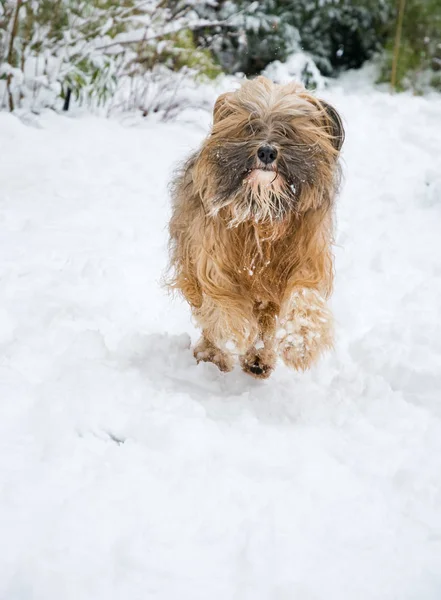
(128, 472)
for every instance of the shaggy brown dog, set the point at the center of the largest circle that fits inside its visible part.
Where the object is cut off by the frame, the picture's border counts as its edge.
(251, 230)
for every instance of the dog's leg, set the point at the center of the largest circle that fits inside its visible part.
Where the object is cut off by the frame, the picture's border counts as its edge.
(306, 328)
(207, 351)
(259, 360)
(223, 323)
(211, 318)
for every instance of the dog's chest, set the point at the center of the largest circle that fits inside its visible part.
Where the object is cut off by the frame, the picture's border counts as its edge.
(261, 264)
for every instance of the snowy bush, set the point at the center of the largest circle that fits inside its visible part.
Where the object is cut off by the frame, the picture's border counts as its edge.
(50, 49)
(158, 91)
(250, 34)
(335, 33)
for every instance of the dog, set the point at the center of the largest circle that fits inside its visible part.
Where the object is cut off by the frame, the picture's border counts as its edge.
(251, 230)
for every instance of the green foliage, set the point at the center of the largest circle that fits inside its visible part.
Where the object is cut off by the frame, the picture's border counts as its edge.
(270, 34)
(344, 34)
(435, 81)
(185, 53)
(420, 48)
(336, 33)
(251, 34)
(176, 51)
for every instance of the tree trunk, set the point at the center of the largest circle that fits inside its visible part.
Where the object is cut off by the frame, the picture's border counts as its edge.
(393, 80)
(67, 100)
(10, 56)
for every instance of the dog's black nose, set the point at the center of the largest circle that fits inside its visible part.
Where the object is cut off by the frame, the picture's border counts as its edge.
(267, 154)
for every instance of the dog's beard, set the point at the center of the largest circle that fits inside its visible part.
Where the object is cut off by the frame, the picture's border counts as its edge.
(262, 198)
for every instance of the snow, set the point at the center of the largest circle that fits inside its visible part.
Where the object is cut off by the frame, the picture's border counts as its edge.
(126, 470)
(299, 65)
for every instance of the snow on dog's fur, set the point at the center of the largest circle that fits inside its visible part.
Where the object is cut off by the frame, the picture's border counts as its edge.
(251, 230)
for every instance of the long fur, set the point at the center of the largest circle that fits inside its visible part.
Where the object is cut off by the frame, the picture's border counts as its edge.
(241, 238)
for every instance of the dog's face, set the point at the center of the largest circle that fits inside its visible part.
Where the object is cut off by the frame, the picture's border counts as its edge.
(273, 149)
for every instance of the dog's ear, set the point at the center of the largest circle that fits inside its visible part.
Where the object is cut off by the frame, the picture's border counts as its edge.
(222, 108)
(334, 125)
(329, 118)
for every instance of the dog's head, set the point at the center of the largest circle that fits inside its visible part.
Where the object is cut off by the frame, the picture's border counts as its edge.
(273, 149)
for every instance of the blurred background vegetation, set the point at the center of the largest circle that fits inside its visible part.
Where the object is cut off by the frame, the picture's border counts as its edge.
(136, 53)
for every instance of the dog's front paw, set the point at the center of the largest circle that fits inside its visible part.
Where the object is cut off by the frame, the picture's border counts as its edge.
(299, 350)
(205, 351)
(305, 330)
(258, 363)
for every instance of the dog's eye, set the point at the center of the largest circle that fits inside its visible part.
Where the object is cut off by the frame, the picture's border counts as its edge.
(252, 129)
(283, 131)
